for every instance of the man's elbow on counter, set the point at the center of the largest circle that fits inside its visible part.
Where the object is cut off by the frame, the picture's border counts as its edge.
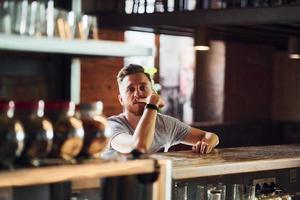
(142, 147)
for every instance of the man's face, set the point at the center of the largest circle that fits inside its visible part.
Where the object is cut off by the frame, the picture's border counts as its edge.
(134, 90)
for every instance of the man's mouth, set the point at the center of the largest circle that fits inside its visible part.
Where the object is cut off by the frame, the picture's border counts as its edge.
(140, 101)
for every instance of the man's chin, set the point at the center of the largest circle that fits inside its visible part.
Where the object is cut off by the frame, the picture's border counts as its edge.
(137, 110)
(135, 113)
(142, 104)
(138, 113)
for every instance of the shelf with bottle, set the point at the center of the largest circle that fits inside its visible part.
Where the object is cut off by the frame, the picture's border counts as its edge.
(72, 47)
(233, 16)
(40, 27)
(158, 6)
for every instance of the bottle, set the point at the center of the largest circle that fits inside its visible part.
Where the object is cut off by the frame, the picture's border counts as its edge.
(95, 128)
(203, 4)
(38, 129)
(159, 6)
(11, 135)
(68, 130)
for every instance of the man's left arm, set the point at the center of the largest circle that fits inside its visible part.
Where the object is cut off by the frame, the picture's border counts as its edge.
(201, 141)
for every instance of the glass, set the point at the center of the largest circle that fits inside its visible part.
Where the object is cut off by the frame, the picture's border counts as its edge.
(250, 193)
(68, 130)
(237, 192)
(37, 19)
(71, 25)
(286, 197)
(215, 192)
(82, 27)
(61, 28)
(11, 135)
(39, 132)
(203, 4)
(95, 125)
(159, 6)
(50, 19)
(21, 17)
(181, 191)
(32, 17)
(65, 24)
(7, 16)
(200, 192)
(93, 30)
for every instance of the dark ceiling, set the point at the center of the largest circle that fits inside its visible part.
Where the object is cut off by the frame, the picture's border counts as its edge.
(269, 25)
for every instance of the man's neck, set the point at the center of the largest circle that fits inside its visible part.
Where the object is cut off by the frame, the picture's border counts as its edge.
(132, 119)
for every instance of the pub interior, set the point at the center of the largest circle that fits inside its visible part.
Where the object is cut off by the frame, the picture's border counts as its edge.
(245, 88)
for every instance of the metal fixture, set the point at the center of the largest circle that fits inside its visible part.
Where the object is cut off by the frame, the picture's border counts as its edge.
(294, 47)
(202, 39)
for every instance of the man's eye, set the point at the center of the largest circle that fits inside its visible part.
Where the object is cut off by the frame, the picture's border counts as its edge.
(142, 88)
(131, 89)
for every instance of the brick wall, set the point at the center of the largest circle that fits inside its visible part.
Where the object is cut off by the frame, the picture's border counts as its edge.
(248, 82)
(286, 90)
(98, 77)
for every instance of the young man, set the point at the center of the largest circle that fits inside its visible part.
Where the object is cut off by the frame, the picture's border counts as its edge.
(141, 127)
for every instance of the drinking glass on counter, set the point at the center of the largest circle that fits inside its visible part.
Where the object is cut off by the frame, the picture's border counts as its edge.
(250, 193)
(181, 191)
(190, 191)
(237, 192)
(200, 192)
(242, 192)
(216, 192)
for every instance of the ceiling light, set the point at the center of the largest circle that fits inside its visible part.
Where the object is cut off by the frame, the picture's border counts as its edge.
(202, 39)
(294, 47)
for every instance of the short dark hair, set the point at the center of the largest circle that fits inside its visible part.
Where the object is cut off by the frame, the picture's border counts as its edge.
(131, 69)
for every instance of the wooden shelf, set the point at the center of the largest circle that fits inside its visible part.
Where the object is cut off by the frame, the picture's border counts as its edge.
(233, 160)
(73, 47)
(45, 175)
(234, 16)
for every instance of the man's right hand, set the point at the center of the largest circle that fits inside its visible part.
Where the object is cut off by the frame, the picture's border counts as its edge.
(156, 99)
(153, 98)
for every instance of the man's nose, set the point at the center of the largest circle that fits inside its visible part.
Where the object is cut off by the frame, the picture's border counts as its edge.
(138, 92)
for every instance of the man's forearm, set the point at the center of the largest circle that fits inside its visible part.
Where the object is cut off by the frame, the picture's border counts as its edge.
(144, 132)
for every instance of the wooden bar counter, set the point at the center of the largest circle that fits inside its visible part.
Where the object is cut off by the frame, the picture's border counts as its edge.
(84, 176)
(43, 175)
(187, 164)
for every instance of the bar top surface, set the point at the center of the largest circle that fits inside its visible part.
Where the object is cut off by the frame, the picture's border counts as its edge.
(187, 164)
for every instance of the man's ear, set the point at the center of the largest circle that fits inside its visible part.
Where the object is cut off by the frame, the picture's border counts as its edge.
(120, 99)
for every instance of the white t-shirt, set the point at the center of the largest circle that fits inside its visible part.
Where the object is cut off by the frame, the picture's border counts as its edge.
(168, 131)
